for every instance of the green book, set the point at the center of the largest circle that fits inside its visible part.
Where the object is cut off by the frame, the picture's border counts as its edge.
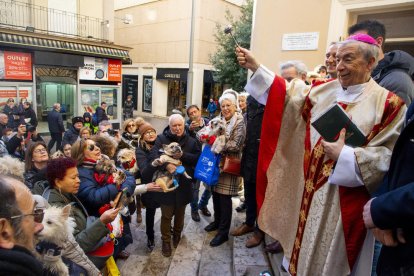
(330, 123)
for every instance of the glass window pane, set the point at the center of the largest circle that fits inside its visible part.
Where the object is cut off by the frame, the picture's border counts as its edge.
(89, 99)
(109, 95)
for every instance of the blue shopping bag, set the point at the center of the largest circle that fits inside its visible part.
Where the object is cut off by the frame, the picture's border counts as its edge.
(207, 168)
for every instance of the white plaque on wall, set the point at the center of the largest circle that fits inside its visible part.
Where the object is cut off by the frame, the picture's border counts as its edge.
(300, 41)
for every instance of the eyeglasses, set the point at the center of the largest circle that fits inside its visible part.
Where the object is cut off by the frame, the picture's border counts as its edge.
(40, 150)
(38, 215)
(149, 133)
(132, 125)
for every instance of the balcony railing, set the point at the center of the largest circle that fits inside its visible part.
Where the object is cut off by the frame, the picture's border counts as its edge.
(33, 18)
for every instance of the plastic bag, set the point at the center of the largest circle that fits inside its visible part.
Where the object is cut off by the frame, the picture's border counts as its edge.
(207, 168)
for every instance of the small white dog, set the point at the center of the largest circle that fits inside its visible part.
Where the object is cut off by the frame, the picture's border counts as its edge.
(218, 129)
(58, 225)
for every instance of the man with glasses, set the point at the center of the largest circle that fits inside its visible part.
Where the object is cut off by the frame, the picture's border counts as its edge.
(20, 222)
(194, 124)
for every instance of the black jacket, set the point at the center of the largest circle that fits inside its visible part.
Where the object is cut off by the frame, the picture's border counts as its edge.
(29, 113)
(146, 171)
(19, 261)
(191, 151)
(55, 122)
(395, 73)
(71, 136)
(254, 117)
(101, 114)
(11, 112)
(394, 207)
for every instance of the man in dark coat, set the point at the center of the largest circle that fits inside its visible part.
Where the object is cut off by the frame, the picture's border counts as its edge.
(254, 117)
(391, 213)
(194, 124)
(395, 69)
(56, 128)
(4, 119)
(101, 113)
(19, 223)
(72, 133)
(11, 110)
(29, 113)
(173, 203)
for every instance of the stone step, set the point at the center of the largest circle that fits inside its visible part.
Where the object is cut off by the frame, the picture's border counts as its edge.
(247, 261)
(275, 260)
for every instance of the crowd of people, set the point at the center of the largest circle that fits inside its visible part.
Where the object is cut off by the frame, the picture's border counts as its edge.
(324, 203)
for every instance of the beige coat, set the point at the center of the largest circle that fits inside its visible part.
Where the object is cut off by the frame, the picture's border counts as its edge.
(229, 184)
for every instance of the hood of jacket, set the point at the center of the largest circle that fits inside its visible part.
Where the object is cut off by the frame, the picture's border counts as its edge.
(393, 60)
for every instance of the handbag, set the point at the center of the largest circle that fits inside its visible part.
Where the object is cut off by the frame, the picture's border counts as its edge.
(232, 165)
(207, 168)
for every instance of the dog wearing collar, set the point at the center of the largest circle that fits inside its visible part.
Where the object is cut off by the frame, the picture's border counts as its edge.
(214, 134)
(128, 161)
(58, 225)
(162, 177)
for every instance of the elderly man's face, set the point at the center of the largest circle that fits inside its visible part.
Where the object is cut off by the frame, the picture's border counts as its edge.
(177, 127)
(29, 228)
(289, 73)
(330, 59)
(4, 119)
(351, 65)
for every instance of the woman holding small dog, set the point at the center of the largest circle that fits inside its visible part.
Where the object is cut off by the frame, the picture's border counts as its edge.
(97, 190)
(228, 184)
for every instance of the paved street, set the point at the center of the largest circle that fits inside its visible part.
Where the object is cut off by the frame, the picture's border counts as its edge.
(193, 256)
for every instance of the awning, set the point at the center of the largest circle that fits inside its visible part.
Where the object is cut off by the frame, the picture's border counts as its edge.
(172, 74)
(39, 43)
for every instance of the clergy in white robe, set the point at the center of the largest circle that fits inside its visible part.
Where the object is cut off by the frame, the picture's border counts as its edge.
(310, 193)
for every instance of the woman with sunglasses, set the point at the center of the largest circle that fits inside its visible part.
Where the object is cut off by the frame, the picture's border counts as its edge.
(95, 191)
(63, 177)
(36, 160)
(129, 139)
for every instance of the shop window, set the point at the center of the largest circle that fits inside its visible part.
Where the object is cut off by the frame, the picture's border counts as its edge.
(176, 96)
(91, 98)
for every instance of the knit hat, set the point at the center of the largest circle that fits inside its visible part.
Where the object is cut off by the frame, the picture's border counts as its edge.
(144, 127)
(77, 119)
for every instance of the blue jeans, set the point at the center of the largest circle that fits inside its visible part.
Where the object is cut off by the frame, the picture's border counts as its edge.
(195, 205)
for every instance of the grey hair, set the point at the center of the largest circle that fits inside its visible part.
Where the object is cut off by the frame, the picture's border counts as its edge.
(12, 167)
(368, 51)
(55, 105)
(300, 67)
(3, 115)
(244, 95)
(8, 204)
(174, 117)
(104, 123)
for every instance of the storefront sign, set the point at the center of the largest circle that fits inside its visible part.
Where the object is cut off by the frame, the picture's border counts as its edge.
(15, 66)
(172, 74)
(300, 41)
(101, 69)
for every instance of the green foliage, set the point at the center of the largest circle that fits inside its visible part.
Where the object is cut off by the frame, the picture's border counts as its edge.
(224, 60)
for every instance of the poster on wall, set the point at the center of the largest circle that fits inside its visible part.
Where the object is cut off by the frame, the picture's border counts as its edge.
(130, 88)
(147, 94)
(15, 66)
(101, 69)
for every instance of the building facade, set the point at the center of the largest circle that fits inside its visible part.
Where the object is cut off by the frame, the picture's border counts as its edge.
(60, 52)
(301, 30)
(160, 40)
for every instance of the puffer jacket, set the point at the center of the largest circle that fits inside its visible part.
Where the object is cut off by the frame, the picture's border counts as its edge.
(94, 195)
(191, 151)
(395, 72)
